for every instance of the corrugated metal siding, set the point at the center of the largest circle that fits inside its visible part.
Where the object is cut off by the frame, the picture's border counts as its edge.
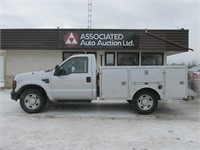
(148, 42)
(47, 39)
(178, 36)
(29, 39)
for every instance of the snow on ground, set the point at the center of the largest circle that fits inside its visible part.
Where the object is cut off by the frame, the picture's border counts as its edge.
(101, 125)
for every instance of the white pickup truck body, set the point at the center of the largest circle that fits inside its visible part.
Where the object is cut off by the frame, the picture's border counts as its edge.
(76, 79)
(124, 82)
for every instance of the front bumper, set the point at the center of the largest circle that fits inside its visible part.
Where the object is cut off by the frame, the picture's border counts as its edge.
(14, 96)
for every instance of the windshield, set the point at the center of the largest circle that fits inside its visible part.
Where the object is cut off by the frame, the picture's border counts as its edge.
(195, 69)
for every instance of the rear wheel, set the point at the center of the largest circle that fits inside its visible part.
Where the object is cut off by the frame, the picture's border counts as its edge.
(32, 101)
(145, 102)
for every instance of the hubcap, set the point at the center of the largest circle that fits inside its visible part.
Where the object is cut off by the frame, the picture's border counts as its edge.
(32, 101)
(145, 102)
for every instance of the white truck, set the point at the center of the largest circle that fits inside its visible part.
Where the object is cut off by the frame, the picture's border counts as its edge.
(77, 79)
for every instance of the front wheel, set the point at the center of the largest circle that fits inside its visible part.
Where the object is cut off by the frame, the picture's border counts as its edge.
(145, 102)
(32, 101)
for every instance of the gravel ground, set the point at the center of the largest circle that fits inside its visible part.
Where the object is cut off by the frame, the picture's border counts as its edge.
(101, 125)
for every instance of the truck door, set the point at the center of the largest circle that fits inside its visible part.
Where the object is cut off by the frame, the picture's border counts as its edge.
(175, 83)
(114, 83)
(74, 80)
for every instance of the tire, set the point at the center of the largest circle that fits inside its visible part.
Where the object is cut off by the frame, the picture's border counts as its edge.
(145, 102)
(32, 101)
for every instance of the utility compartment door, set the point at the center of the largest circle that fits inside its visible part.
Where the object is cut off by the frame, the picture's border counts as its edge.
(114, 83)
(175, 83)
(146, 75)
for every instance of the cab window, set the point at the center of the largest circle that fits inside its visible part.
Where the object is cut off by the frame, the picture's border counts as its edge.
(75, 65)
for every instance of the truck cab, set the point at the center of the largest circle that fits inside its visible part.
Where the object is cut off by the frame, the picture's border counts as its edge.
(73, 79)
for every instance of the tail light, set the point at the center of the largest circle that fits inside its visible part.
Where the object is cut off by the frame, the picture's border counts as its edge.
(196, 76)
(190, 76)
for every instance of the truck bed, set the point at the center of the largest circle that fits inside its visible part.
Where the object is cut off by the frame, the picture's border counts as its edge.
(122, 82)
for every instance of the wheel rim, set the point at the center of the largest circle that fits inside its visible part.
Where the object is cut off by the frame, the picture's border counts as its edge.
(32, 101)
(145, 102)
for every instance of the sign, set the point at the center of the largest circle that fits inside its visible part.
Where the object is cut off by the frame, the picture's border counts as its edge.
(98, 39)
(71, 39)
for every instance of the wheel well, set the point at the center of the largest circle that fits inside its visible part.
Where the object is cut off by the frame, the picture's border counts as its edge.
(149, 90)
(33, 86)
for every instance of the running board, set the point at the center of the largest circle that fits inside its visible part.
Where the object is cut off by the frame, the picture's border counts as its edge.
(74, 101)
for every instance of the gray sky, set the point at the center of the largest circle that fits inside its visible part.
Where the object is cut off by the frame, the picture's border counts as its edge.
(111, 14)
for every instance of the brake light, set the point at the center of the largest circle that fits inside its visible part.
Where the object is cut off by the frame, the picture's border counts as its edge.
(190, 76)
(196, 76)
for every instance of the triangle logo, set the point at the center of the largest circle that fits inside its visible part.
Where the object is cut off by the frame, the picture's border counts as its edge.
(68, 41)
(71, 39)
(74, 41)
(71, 36)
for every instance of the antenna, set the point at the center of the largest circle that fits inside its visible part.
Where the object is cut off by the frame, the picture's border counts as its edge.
(89, 14)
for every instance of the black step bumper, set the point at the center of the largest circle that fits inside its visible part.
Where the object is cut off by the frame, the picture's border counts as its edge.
(14, 96)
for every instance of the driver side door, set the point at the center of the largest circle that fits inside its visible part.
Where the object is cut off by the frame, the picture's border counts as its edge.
(72, 82)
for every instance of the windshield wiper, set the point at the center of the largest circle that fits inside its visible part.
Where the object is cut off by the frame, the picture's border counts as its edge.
(49, 70)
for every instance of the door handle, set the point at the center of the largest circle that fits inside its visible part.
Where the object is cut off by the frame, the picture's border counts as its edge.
(88, 79)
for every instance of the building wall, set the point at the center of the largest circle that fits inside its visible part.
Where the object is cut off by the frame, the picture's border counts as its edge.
(20, 61)
(1, 66)
(51, 39)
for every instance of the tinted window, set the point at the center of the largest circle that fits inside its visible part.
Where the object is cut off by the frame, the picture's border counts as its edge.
(75, 65)
(127, 59)
(152, 59)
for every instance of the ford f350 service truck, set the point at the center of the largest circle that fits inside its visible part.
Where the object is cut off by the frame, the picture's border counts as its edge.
(76, 80)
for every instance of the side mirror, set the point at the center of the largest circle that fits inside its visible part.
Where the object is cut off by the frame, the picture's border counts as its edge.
(57, 70)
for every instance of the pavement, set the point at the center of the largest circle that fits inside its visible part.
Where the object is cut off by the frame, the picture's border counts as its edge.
(101, 125)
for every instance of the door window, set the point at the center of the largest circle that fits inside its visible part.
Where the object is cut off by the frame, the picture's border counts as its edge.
(75, 65)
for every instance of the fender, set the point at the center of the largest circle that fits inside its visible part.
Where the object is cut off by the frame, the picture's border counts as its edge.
(40, 83)
(153, 87)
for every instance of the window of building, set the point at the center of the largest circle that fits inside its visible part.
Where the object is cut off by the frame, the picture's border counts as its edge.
(148, 59)
(109, 59)
(75, 65)
(128, 59)
(68, 54)
(94, 53)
